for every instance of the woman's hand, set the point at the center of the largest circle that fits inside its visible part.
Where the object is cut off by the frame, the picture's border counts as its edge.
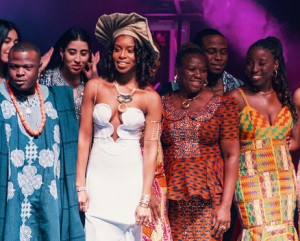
(83, 201)
(142, 216)
(91, 71)
(221, 221)
(45, 59)
(155, 208)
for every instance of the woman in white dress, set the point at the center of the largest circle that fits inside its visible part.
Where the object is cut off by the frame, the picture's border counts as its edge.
(113, 178)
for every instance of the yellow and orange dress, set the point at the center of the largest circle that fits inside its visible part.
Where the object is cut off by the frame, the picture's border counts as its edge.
(194, 165)
(266, 184)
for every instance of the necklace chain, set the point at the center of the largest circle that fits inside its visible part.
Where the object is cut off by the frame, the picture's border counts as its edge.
(186, 103)
(123, 98)
(267, 92)
(21, 116)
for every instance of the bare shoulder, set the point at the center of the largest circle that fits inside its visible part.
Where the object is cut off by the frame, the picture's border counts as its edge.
(236, 94)
(296, 97)
(92, 87)
(152, 95)
(94, 83)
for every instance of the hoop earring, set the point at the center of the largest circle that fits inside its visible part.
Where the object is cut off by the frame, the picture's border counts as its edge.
(205, 83)
(275, 73)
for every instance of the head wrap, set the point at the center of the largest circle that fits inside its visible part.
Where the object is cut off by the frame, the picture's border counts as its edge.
(109, 27)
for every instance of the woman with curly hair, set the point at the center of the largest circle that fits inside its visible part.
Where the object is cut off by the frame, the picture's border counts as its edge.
(266, 186)
(117, 108)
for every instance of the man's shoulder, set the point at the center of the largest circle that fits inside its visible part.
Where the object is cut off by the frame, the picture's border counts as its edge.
(230, 82)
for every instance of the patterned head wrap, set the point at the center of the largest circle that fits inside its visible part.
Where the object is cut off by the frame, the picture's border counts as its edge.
(109, 27)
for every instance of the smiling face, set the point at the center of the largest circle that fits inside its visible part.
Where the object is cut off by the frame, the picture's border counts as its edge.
(75, 56)
(124, 55)
(23, 70)
(193, 73)
(260, 66)
(216, 52)
(10, 40)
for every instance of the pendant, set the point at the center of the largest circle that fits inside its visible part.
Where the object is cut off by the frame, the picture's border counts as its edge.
(28, 111)
(186, 104)
(124, 98)
(122, 107)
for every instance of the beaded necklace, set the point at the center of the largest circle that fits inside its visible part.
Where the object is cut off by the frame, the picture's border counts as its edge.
(21, 116)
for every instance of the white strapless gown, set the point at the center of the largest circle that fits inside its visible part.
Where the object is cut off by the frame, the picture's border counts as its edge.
(114, 177)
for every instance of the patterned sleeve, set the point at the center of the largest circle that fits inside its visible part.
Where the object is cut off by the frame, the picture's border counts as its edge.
(229, 112)
(45, 78)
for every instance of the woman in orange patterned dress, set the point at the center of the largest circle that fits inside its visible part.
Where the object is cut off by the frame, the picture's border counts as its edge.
(266, 184)
(201, 146)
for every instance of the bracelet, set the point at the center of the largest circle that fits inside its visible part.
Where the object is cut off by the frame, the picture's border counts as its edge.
(144, 201)
(80, 189)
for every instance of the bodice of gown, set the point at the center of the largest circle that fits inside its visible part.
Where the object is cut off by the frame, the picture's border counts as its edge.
(133, 122)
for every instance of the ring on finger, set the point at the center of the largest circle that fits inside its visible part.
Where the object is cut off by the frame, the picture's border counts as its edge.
(222, 227)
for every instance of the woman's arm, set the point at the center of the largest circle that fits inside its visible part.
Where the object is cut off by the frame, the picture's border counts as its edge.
(230, 149)
(84, 140)
(294, 142)
(151, 138)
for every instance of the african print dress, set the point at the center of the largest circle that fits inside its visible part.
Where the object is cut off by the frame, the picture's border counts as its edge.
(161, 230)
(266, 184)
(194, 165)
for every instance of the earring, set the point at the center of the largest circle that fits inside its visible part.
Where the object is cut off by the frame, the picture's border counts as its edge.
(205, 83)
(175, 80)
(175, 83)
(275, 73)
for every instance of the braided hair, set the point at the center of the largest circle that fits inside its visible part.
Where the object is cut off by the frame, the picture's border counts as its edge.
(279, 79)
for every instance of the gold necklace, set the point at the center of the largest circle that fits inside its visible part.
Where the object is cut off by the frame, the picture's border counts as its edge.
(186, 103)
(123, 98)
(267, 92)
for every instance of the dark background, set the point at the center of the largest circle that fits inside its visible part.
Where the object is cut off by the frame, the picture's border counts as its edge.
(241, 21)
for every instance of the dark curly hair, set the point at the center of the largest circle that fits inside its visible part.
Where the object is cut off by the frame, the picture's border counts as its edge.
(144, 60)
(186, 49)
(206, 32)
(279, 81)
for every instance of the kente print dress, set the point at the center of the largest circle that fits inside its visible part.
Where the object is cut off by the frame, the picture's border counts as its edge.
(194, 165)
(266, 184)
